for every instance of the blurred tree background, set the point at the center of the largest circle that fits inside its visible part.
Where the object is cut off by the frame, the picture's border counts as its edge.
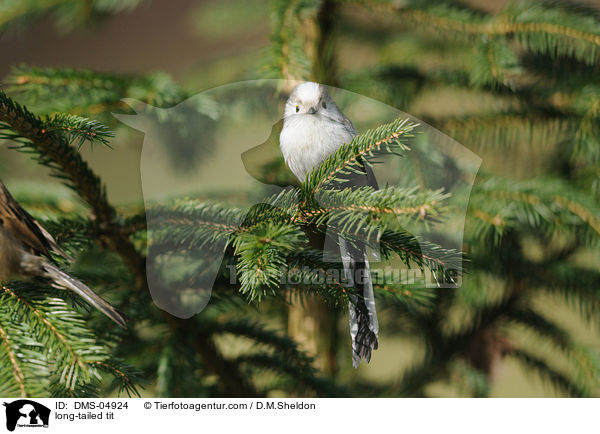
(516, 82)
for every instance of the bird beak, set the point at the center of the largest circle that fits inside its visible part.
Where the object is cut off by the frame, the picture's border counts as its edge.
(312, 111)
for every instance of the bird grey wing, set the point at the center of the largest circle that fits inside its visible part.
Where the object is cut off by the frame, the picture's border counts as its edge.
(348, 125)
(371, 181)
(24, 227)
(369, 177)
(364, 178)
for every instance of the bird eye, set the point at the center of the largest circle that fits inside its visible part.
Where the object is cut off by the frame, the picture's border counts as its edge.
(324, 105)
(297, 109)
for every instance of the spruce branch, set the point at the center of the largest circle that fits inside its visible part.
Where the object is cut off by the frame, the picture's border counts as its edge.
(470, 379)
(497, 205)
(80, 130)
(366, 210)
(60, 335)
(307, 269)
(539, 28)
(233, 383)
(585, 363)
(423, 253)
(17, 378)
(444, 347)
(288, 58)
(83, 91)
(81, 390)
(125, 377)
(279, 350)
(14, 10)
(68, 13)
(508, 130)
(410, 298)
(577, 286)
(194, 225)
(52, 149)
(302, 378)
(540, 367)
(262, 256)
(349, 158)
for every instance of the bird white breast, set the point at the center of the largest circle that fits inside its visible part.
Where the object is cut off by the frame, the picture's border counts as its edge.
(307, 140)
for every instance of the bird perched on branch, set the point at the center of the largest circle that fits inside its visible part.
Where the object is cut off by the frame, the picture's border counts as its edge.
(314, 128)
(25, 248)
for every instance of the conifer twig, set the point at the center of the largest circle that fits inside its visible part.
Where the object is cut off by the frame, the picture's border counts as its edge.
(53, 150)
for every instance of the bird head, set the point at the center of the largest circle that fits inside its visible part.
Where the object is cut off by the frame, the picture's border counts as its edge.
(308, 99)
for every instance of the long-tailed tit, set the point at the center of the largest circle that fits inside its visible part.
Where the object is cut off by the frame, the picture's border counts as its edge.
(314, 128)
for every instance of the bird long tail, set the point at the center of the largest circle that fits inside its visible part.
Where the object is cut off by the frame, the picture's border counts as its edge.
(64, 281)
(364, 327)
